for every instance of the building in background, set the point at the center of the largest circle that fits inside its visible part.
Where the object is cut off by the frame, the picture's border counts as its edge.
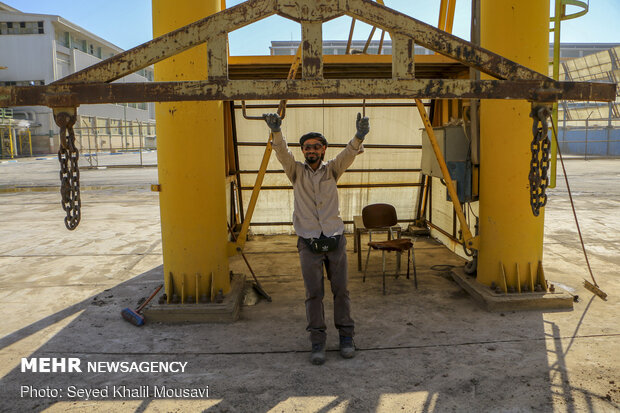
(331, 47)
(38, 49)
(590, 128)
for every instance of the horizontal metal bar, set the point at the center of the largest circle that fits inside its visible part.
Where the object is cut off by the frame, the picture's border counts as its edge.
(339, 145)
(267, 224)
(278, 171)
(388, 185)
(72, 95)
(447, 234)
(590, 141)
(333, 105)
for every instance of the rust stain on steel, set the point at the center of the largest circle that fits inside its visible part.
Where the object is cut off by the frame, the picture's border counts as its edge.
(73, 94)
(174, 42)
(298, 10)
(437, 40)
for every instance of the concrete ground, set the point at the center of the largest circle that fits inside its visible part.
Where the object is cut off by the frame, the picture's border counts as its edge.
(431, 349)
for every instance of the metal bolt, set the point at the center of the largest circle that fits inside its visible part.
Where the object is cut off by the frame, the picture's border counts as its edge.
(204, 299)
(190, 299)
(175, 299)
(552, 288)
(493, 285)
(538, 288)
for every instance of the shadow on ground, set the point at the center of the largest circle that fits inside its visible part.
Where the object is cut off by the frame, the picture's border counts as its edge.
(430, 349)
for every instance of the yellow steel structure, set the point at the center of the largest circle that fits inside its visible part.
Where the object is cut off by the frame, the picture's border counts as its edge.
(559, 16)
(191, 165)
(509, 234)
(446, 15)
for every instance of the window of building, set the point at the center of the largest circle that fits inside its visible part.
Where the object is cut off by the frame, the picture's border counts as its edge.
(21, 28)
(22, 83)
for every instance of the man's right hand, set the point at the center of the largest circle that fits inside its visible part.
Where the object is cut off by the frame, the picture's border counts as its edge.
(273, 120)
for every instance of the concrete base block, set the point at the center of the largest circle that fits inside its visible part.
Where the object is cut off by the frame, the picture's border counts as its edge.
(224, 312)
(491, 301)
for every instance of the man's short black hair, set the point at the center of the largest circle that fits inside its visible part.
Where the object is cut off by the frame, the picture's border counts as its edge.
(313, 135)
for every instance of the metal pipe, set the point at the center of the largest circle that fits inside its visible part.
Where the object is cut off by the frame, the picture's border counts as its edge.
(30, 141)
(386, 185)
(340, 145)
(447, 234)
(381, 42)
(348, 49)
(267, 224)
(279, 171)
(372, 33)
(246, 116)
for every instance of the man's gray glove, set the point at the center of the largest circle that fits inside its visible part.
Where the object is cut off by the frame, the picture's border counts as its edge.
(273, 121)
(363, 126)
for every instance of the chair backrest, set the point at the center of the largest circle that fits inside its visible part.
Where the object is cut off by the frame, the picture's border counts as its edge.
(379, 216)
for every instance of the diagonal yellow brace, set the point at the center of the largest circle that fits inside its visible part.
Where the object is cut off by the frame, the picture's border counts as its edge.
(236, 247)
(470, 241)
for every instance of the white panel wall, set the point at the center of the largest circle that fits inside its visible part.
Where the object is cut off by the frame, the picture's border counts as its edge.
(26, 56)
(400, 126)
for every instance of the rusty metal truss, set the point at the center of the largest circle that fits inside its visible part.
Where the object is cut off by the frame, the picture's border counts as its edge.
(512, 80)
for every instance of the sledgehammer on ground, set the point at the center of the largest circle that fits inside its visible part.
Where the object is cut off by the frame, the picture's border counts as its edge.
(134, 316)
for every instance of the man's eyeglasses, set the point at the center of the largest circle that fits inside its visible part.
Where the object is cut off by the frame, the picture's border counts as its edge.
(315, 146)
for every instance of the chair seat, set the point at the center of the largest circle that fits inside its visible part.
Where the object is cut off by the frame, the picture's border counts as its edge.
(400, 244)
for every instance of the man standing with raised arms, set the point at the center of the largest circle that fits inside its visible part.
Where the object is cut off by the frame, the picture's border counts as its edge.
(320, 230)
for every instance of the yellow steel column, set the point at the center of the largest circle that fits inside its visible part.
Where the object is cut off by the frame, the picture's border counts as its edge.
(191, 165)
(509, 233)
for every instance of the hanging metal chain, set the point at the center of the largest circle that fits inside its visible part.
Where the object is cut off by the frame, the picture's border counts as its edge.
(539, 165)
(68, 156)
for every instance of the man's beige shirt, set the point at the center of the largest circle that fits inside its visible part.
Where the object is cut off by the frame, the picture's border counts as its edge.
(316, 208)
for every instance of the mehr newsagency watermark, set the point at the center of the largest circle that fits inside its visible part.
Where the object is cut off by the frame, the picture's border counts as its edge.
(113, 391)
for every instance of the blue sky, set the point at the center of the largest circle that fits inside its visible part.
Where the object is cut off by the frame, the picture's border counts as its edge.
(127, 23)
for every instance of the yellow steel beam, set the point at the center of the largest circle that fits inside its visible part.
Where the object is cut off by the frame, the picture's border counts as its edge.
(446, 15)
(470, 241)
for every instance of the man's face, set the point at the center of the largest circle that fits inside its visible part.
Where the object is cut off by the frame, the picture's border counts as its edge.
(313, 150)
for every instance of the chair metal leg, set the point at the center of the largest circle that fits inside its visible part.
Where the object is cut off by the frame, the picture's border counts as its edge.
(366, 267)
(383, 251)
(415, 274)
(408, 255)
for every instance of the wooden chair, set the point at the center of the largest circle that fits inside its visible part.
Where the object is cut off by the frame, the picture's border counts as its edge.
(383, 216)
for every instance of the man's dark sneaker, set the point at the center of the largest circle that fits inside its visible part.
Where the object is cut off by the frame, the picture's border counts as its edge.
(347, 347)
(318, 354)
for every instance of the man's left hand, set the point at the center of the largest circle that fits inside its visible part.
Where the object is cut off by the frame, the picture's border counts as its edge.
(363, 126)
